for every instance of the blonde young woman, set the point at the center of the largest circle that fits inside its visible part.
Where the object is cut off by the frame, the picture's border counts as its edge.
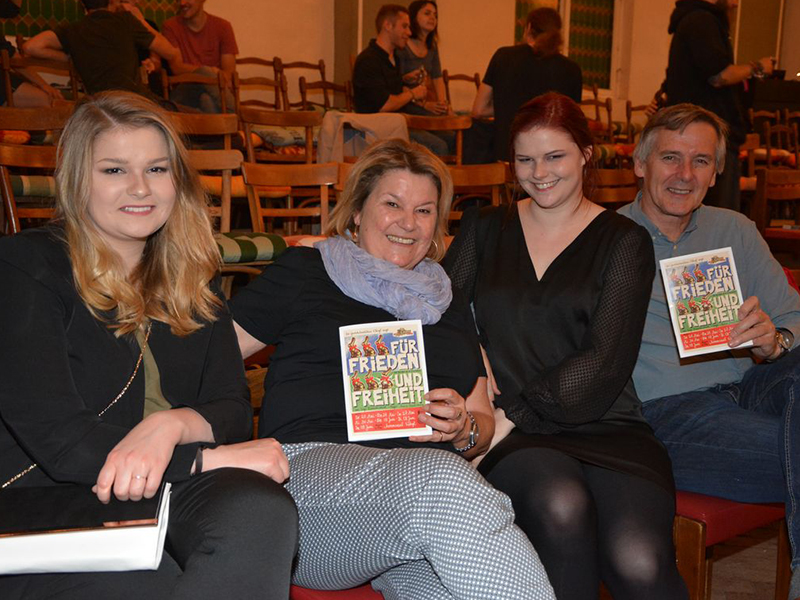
(112, 309)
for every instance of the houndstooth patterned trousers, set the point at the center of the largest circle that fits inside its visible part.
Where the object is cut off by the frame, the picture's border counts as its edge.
(421, 524)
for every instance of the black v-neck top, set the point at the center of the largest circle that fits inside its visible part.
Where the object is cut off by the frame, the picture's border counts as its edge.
(563, 347)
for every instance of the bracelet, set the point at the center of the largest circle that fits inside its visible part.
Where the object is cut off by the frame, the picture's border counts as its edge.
(198, 460)
(757, 69)
(473, 435)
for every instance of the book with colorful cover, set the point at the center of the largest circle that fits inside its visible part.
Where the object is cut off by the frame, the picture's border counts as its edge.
(385, 379)
(703, 296)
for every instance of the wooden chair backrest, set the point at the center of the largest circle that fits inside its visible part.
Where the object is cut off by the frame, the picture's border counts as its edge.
(224, 125)
(457, 123)
(23, 157)
(759, 118)
(783, 137)
(258, 177)
(447, 77)
(773, 185)
(328, 100)
(319, 67)
(35, 119)
(615, 186)
(476, 181)
(297, 118)
(219, 81)
(225, 162)
(607, 133)
(630, 111)
(266, 87)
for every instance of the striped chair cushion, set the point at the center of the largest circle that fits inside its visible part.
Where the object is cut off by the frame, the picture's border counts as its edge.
(249, 247)
(33, 185)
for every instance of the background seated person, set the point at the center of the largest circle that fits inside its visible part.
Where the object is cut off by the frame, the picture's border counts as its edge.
(378, 85)
(208, 45)
(419, 60)
(403, 512)
(112, 309)
(104, 47)
(28, 88)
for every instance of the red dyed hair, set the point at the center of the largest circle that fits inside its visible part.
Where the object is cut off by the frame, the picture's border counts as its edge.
(556, 111)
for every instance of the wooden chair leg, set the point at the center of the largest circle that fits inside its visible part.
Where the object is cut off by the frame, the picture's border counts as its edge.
(690, 553)
(783, 571)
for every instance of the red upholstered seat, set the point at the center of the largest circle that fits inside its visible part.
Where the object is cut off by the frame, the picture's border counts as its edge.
(703, 521)
(365, 592)
(725, 519)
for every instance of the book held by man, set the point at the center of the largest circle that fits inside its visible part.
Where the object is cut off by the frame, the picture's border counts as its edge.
(66, 529)
(703, 297)
(385, 379)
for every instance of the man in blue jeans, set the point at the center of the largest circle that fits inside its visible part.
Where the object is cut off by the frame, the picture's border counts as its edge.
(730, 420)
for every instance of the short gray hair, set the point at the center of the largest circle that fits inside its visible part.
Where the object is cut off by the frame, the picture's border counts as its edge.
(678, 118)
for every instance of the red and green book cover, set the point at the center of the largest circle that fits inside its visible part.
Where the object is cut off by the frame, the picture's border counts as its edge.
(703, 296)
(385, 379)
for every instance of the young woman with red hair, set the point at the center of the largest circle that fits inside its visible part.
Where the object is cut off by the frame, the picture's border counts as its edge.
(560, 288)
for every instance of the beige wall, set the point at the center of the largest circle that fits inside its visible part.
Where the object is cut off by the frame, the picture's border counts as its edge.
(470, 32)
(790, 44)
(291, 29)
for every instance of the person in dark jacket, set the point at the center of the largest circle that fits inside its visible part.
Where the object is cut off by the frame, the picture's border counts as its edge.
(701, 71)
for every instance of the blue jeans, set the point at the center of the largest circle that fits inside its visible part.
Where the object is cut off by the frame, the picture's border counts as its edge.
(739, 441)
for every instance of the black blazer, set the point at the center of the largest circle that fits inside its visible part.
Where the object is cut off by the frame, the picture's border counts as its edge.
(60, 366)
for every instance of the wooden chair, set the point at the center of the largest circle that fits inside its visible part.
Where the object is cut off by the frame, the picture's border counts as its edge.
(457, 123)
(50, 119)
(781, 137)
(37, 158)
(319, 67)
(701, 522)
(758, 118)
(264, 86)
(603, 132)
(481, 183)
(168, 82)
(447, 78)
(630, 128)
(772, 186)
(260, 177)
(328, 100)
(615, 187)
(222, 163)
(251, 117)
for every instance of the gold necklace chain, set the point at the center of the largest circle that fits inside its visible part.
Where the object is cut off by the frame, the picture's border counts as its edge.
(31, 467)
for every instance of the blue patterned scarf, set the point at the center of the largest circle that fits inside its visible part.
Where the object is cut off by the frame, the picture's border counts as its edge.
(423, 292)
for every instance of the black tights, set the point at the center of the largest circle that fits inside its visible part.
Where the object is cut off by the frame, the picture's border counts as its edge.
(232, 534)
(589, 523)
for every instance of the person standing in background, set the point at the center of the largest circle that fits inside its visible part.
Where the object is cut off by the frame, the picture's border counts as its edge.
(517, 74)
(701, 71)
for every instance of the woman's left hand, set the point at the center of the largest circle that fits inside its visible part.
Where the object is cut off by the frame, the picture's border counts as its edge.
(136, 465)
(447, 418)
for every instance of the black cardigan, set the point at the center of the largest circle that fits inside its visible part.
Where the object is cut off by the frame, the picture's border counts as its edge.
(60, 366)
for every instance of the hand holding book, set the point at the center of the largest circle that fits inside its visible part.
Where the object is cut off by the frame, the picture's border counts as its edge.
(446, 414)
(755, 326)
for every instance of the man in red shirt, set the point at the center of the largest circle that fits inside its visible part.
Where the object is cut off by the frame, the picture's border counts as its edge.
(207, 42)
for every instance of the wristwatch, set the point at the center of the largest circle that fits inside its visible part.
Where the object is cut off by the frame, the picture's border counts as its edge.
(785, 340)
(473, 434)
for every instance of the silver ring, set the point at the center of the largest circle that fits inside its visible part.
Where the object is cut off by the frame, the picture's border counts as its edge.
(138, 476)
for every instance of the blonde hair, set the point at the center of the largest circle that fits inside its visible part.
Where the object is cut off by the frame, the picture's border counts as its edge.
(381, 158)
(171, 282)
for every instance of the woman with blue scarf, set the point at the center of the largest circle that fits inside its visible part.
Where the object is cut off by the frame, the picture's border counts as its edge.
(408, 514)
